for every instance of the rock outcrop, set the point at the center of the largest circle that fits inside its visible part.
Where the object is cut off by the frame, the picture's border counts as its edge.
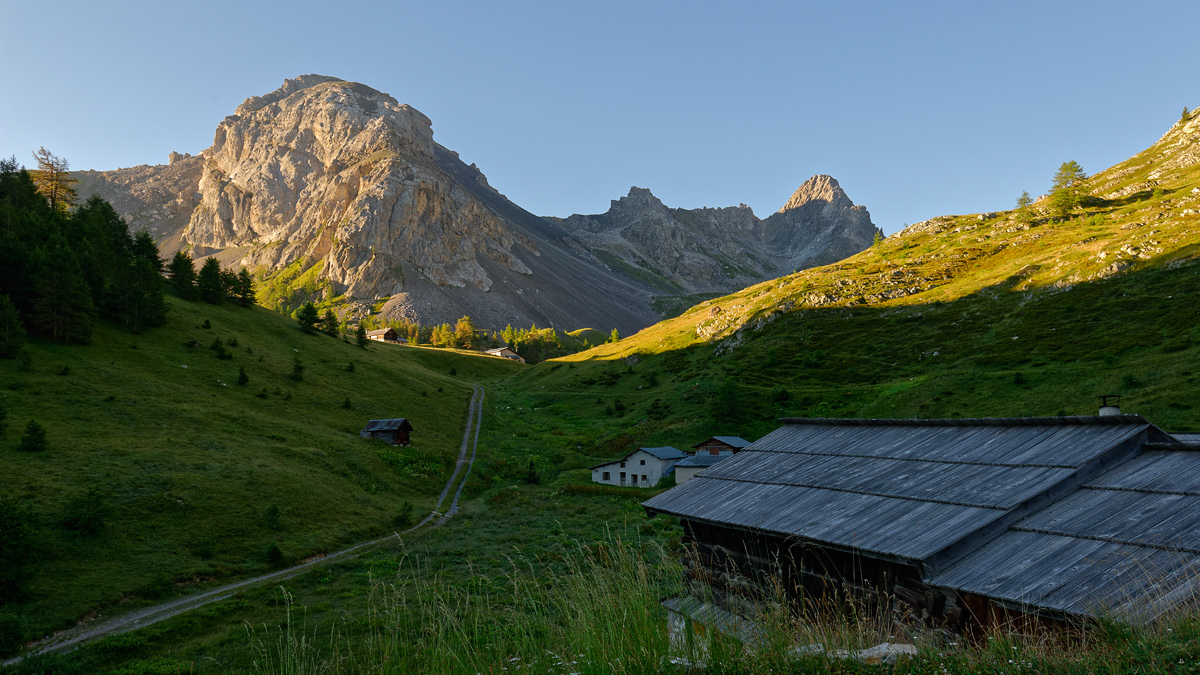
(721, 250)
(332, 190)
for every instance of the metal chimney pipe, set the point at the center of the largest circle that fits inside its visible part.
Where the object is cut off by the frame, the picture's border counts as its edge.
(1108, 408)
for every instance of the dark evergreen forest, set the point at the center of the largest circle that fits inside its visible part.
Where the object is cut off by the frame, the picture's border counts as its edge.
(62, 269)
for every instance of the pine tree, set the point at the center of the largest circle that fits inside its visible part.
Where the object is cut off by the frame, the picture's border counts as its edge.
(144, 248)
(12, 332)
(34, 438)
(1024, 205)
(182, 273)
(245, 289)
(243, 378)
(53, 180)
(63, 307)
(139, 296)
(614, 336)
(330, 323)
(360, 336)
(208, 281)
(307, 317)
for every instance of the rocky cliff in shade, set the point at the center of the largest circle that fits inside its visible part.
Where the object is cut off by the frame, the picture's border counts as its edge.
(721, 250)
(332, 190)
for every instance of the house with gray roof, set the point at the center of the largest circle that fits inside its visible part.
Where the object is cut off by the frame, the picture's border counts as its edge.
(969, 522)
(641, 468)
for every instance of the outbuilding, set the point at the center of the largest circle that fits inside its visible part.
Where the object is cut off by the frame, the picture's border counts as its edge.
(720, 445)
(969, 522)
(641, 468)
(394, 431)
(386, 335)
(505, 353)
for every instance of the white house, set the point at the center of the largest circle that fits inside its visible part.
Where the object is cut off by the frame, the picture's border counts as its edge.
(641, 468)
(505, 353)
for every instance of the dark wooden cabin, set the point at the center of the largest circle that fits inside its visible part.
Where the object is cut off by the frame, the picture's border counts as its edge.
(394, 431)
(720, 445)
(967, 522)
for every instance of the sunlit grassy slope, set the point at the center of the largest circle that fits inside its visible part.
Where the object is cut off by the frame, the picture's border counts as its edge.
(979, 315)
(200, 474)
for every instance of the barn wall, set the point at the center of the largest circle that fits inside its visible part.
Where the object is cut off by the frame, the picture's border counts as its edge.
(740, 572)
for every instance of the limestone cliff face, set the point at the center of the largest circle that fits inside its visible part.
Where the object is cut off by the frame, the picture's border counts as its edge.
(720, 250)
(328, 170)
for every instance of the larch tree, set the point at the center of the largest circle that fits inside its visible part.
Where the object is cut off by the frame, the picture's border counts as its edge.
(1066, 190)
(53, 180)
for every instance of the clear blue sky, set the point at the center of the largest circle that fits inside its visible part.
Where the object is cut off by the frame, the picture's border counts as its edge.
(918, 109)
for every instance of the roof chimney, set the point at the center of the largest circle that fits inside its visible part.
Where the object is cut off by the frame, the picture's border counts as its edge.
(1110, 408)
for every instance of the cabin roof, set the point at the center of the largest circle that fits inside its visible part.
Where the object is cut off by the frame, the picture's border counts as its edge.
(966, 501)
(701, 460)
(381, 331)
(387, 425)
(1125, 541)
(734, 441)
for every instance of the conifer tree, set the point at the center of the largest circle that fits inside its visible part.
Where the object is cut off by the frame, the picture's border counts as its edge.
(53, 180)
(307, 317)
(12, 332)
(360, 335)
(245, 288)
(182, 273)
(330, 323)
(144, 248)
(208, 281)
(1066, 191)
(614, 336)
(464, 332)
(63, 307)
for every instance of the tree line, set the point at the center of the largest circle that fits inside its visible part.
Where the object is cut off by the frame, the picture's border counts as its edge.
(63, 268)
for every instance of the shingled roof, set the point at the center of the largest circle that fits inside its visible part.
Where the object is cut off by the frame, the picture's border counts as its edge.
(959, 498)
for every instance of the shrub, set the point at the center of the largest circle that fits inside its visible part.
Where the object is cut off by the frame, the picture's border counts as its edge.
(243, 378)
(16, 546)
(86, 512)
(346, 403)
(532, 477)
(271, 518)
(404, 518)
(34, 438)
(275, 555)
(297, 369)
(350, 367)
(11, 635)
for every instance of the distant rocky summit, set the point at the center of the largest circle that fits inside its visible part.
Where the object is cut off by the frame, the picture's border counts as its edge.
(721, 250)
(332, 190)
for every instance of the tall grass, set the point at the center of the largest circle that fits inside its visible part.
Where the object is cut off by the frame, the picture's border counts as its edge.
(599, 612)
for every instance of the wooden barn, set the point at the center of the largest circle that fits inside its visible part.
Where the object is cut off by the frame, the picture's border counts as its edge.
(386, 335)
(394, 431)
(967, 522)
(720, 445)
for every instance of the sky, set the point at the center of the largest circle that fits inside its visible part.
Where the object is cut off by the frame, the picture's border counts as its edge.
(918, 109)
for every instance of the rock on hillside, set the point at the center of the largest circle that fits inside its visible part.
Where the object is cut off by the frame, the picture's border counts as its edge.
(720, 250)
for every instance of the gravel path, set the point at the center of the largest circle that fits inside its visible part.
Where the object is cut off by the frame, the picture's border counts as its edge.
(102, 627)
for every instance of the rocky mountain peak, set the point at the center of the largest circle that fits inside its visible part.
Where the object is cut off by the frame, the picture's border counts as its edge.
(638, 199)
(819, 188)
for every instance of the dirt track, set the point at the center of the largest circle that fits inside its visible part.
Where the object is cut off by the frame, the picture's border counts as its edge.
(102, 627)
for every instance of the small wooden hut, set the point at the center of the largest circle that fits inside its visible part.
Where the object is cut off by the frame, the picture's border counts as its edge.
(394, 431)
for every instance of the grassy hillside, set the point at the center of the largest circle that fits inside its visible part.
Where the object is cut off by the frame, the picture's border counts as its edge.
(992, 315)
(196, 476)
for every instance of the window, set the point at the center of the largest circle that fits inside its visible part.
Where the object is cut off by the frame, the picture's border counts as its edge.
(643, 462)
(714, 451)
(622, 465)
(644, 478)
(607, 475)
